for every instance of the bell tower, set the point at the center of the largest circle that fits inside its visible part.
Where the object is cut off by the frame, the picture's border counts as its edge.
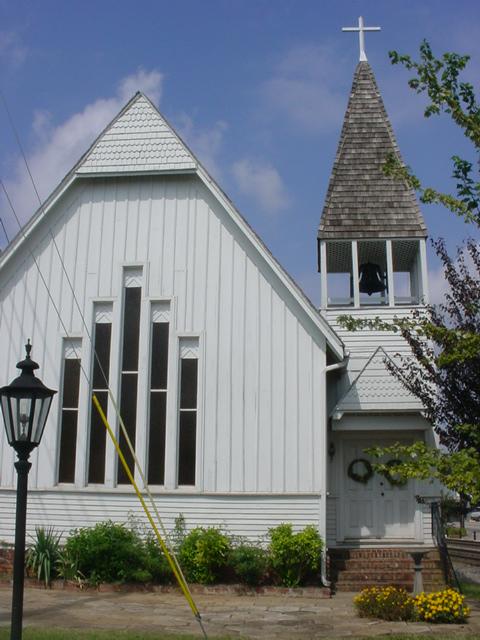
(372, 237)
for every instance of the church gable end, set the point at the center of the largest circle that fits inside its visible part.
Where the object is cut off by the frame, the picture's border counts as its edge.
(139, 139)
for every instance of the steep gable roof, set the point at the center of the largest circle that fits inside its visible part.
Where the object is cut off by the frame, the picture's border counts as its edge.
(376, 389)
(138, 139)
(124, 148)
(361, 201)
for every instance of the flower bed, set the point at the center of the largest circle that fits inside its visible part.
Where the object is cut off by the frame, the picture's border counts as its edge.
(391, 603)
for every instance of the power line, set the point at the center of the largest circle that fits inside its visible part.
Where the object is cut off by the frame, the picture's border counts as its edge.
(90, 340)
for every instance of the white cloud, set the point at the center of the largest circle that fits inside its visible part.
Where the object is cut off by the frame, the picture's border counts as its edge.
(206, 144)
(262, 183)
(12, 50)
(305, 87)
(58, 147)
(149, 82)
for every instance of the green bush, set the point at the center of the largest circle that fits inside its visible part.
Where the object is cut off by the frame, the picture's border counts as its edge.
(295, 557)
(249, 563)
(156, 563)
(43, 556)
(203, 554)
(108, 552)
(179, 532)
(455, 532)
(386, 603)
(67, 567)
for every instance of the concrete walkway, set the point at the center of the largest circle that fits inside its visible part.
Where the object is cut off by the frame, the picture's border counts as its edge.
(281, 617)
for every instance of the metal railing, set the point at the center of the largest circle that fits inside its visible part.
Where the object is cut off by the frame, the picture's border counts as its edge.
(438, 535)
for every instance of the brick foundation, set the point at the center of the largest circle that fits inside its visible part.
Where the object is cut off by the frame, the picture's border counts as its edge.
(6, 561)
(355, 569)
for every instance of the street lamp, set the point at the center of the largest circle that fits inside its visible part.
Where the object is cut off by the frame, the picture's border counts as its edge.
(25, 405)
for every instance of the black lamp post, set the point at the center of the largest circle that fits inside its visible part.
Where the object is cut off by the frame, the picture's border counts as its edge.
(25, 405)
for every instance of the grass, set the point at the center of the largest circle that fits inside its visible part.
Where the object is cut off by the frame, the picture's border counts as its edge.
(69, 634)
(471, 590)
(100, 634)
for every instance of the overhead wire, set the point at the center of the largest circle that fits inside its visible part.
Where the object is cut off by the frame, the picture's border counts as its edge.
(167, 547)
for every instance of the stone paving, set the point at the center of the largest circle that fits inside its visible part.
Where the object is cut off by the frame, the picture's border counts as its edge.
(265, 616)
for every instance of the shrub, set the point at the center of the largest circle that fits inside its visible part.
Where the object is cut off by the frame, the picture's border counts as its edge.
(387, 603)
(179, 532)
(44, 554)
(295, 556)
(203, 554)
(249, 563)
(455, 532)
(67, 567)
(108, 552)
(156, 563)
(442, 606)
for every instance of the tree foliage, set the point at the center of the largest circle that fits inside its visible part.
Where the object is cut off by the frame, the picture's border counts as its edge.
(444, 366)
(457, 470)
(439, 78)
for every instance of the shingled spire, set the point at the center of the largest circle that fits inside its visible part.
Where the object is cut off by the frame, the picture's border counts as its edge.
(361, 201)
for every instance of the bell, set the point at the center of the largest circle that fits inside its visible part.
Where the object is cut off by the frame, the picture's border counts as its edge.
(371, 279)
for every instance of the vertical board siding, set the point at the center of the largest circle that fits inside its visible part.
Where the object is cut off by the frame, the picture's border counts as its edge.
(262, 420)
(278, 395)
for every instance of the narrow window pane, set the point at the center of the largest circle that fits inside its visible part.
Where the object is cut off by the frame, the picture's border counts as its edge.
(96, 467)
(158, 403)
(101, 364)
(71, 380)
(187, 437)
(129, 379)
(188, 388)
(187, 447)
(68, 446)
(159, 355)
(128, 411)
(100, 379)
(68, 427)
(156, 449)
(131, 328)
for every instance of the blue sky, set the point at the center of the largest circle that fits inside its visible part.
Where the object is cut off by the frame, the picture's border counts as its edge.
(257, 88)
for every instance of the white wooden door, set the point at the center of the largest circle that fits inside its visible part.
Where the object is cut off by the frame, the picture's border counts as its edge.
(375, 510)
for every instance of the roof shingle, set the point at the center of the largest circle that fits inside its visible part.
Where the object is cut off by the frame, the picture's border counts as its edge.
(361, 201)
(139, 139)
(376, 389)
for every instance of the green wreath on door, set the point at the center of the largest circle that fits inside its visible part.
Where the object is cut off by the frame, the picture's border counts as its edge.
(389, 473)
(363, 477)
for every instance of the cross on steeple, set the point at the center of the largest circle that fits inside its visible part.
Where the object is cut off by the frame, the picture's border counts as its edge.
(361, 34)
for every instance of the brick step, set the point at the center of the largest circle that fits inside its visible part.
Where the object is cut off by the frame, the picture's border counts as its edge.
(372, 554)
(397, 563)
(356, 569)
(384, 576)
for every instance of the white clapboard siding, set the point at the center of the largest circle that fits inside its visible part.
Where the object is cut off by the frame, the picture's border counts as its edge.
(331, 527)
(261, 421)
(427, 524)
(363, 342)
(248, 515)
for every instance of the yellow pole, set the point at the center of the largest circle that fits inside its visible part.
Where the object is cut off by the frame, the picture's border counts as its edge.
(178, 576)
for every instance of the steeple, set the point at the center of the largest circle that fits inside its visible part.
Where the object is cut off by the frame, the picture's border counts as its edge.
(371, 229)
(361, 201)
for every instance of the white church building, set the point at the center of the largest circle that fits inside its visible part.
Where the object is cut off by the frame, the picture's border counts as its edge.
(247, 406)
